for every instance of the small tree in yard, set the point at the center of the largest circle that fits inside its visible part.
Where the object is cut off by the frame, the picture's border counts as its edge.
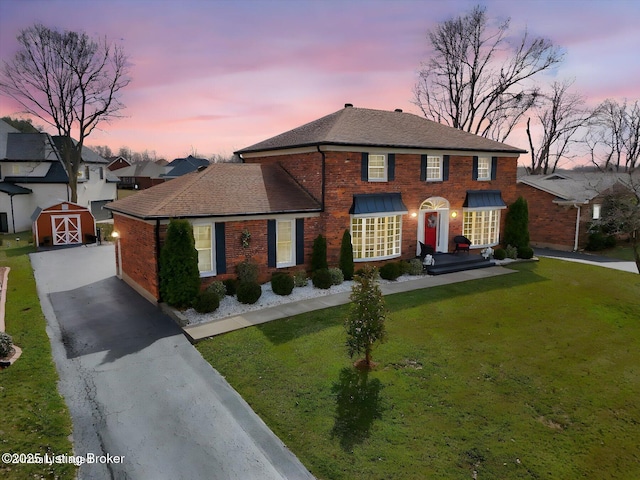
(346, 256)
(365, 322)
(179, 275)
(516, 228)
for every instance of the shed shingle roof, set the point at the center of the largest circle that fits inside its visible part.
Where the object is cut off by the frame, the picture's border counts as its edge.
(367, 127)
(221, 190)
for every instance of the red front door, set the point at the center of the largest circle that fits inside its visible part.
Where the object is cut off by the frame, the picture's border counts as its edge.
(431, 229)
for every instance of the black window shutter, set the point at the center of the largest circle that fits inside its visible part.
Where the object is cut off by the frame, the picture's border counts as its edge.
(494, 167)
(271, 243)
(445, 168)
(221, 249)
(423, 168)
(391, 166)
(364, 173)
(299, 241)
(475, 168)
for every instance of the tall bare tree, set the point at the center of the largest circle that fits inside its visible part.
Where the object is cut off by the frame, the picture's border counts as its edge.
(559, 116)
(478, 78)
(69, 81)
(614, 140)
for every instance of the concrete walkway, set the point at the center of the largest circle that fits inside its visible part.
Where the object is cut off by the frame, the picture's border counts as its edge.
(224, 325)
(588, 258)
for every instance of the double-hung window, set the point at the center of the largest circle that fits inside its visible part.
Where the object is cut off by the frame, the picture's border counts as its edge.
(285, 243)
(204, 246)
(484, 168)
(596, 212)
(434, 168)
(375, 238)
(377, 168)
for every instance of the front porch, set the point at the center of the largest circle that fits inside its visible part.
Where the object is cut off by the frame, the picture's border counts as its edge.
(449, 262)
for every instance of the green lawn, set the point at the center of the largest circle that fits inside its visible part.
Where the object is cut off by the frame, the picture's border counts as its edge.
(33, 416)
(530, 375)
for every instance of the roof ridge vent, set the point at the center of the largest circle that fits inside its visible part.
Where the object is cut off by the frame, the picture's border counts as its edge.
(348, 105)
(399, 110)
(202, 167)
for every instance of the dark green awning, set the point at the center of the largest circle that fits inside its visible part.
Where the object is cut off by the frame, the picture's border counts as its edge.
(484, 199)
(370, 203)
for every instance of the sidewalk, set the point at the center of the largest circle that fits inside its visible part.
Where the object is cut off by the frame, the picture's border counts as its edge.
(248, 319)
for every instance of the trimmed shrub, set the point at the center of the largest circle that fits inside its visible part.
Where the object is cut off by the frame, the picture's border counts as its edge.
(525, 253)
(337, 276)
(300, 278)
(346, 256)
(599, 241)
(512, 252)
(319, 254)
(230, 285)
(218, 288)
(247, 272)
(249, 292)
(282, 283)
(499, 254)
(206, 302)
(6, 343)
(516, 224)
(415, 267)
(390, 271)
(179, 275)
(322, 279)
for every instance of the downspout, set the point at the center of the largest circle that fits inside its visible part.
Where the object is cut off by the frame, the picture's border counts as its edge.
(13, 217)
(157, 236)
(575, 240)
(323, 176)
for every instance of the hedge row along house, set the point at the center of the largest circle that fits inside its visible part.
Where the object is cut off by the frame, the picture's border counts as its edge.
(393, 179)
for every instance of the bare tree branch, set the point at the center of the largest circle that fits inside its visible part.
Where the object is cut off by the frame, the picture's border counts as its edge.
(70, 82)
(475, 81)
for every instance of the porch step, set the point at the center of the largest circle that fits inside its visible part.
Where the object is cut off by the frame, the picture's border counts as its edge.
(447, 263)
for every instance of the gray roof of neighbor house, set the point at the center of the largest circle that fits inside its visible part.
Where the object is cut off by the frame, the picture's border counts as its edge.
(225, 189)
(379, 128)
(30, 147)
(182, 166)
(575, 187)
(5, 129)
(140, 169)
(88, 155)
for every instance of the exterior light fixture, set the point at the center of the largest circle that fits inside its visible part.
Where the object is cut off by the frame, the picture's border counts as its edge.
(454, 214)
(115, 234)
(414, 214)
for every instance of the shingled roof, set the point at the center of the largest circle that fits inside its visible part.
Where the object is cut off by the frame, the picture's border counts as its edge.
(379, 128)
(225, 189)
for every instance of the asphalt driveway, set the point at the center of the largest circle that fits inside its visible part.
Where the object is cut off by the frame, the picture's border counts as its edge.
(137, 388)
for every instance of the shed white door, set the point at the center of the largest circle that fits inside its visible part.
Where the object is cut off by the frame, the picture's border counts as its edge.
(66, 229)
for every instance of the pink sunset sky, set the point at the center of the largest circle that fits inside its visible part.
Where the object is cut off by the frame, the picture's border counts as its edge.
(216, 76)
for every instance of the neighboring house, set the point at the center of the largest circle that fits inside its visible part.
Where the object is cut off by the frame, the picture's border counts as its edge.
(393, 179)
(563, 205)
(182, 166)
(33, 176)
(118, 162)
(140, 175)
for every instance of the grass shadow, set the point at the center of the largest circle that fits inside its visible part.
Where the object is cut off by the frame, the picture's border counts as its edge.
(18, 251)
(358, 405)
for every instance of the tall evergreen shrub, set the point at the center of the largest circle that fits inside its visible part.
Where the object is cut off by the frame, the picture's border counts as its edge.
(516, 228)
(179, 275)
(346, 256)
(319, 254)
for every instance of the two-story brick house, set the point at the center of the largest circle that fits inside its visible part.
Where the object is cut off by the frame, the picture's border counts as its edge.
(393, 179)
